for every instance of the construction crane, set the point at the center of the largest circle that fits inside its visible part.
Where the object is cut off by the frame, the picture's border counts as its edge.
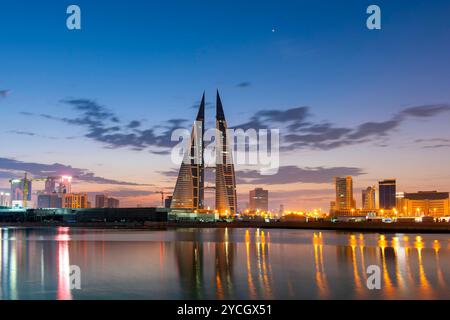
(25, 188)
(26, 181)
(162, 197)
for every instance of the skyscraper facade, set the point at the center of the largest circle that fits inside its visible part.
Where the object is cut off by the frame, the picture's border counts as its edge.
(387, 194)
(369, 198)
(18, 188)
(344, 193)
(428, 203)
(189, 188)
(226, 200)
(259, 200)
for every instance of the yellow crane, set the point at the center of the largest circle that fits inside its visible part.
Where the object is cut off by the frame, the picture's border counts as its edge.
(25, 188)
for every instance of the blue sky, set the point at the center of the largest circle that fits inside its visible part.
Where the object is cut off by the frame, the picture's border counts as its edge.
(150, 61)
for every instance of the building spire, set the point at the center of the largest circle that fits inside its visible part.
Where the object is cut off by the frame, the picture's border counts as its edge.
(201, 110)
(219, 109)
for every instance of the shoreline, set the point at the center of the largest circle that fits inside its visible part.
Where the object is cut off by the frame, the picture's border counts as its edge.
(402, 227)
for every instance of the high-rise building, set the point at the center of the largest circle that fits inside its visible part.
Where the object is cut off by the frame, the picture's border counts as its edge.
(387, 194)
(259, 200)
(5, 199)
(189, 188)
(75, 200)
(226, 199)
(100, 201)
(103, 201)
(113, 202)
(428, 203)
(344, 193)
(65, 184)
(50, 185)
(167, 201)
(369, 197)
(17, 189)
(51, 200)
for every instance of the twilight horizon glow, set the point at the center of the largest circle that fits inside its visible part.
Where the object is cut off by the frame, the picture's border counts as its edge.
(100, 102)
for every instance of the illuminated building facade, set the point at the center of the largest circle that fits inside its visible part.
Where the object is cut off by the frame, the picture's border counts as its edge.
(189, 188)
(369, 198)
(226, 200)
(5, 199)
(259, 200)
(344, 193)
(75, 200)
(424, 203)
(387, 194)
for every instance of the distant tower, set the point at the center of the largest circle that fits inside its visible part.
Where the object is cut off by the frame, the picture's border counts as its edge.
(189, 188)
(387, 190)
(259, 199)
(344, 193)
(226, 200)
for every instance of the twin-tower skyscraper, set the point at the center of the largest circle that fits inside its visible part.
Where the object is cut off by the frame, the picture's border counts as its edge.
(189, 192)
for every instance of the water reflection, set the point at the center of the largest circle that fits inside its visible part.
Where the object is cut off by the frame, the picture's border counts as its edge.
(220, 264)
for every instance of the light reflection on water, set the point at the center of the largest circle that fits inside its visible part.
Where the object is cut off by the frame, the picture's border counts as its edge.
(221, 264)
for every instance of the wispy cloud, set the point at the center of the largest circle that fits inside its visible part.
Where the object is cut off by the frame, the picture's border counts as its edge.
(105, 127)
(299, 132)
(294, 174)
(244, 84)
(4, 93)
(15, 168)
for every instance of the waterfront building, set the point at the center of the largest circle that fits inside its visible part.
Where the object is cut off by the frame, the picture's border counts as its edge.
(112, 203)
(103, 201)
(424, 203)
(258, 200)
(17, 189)
(369, 198)
(387, 194)
(189, 188)
(100, 200)
(5, 199)
(167, 201)
(75, 200)
(226, 199)
(52, 200)
(344, 193)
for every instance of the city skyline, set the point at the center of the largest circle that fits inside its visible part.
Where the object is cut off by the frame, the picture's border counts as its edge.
(372, 105)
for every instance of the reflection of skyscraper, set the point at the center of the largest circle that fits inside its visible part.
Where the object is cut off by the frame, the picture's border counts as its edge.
(189, 188)
(224, 266)
(189, 258)
(226, 200)
(387, 189)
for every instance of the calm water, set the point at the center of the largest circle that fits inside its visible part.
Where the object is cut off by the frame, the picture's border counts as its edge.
(221, 264)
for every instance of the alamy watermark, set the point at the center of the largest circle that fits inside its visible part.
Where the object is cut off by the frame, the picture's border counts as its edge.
(241, 147)
(374, 277)
(75, 277)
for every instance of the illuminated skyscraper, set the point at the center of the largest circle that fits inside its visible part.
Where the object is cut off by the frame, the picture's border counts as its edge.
(387, 189)
(369, 196)
(189, 188)
(344, 193)
(259, 199)
(226, 200)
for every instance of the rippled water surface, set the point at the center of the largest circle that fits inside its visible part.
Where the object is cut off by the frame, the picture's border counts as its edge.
(35, 263)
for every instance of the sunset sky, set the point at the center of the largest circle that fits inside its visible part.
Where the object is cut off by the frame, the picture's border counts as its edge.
(100, 103)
